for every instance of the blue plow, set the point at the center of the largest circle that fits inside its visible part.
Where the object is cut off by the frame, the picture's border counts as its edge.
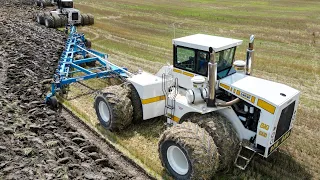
(69, 70)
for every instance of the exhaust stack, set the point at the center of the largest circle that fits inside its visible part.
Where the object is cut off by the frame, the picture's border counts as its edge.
(212, 74)
(250, 56)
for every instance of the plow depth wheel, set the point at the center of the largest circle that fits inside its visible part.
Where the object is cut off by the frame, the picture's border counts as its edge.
(113, 108)
(187, 151)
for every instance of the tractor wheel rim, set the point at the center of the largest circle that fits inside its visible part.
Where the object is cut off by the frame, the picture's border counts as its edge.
(177, 160)
(104, 112)
(46, 23)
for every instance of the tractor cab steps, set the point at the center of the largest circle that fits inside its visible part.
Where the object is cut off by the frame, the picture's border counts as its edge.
(245, 155)
(170, 90)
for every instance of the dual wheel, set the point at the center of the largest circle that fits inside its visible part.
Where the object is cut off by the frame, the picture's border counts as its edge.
(43, 3)
(87, 19)
(198, 147)
(118, 106)
(194, 149)
(51, 20)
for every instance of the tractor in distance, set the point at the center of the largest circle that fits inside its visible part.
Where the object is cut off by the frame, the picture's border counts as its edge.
(217, 113)
(45, 3)
(64, 15)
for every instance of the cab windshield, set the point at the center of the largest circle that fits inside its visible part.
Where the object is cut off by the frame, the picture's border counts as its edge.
(67, 4)
(196, 61)
(224, 60)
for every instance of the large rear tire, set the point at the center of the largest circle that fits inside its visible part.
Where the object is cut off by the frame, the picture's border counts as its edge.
(113, 107)
(187, 151)
(223, 134)
(57, 20)
(64, 20)
(37, 3)
(91, 19)
(49, 22)
(85, 19)
(40, 18)
(136, 104)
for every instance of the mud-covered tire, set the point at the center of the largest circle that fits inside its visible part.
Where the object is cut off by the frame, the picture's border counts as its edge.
(49, 22)
(223, 134)
(57, 20)
(64, 20)
(198, 149)
(40, 18)
(44, 3)
(113, 107)
(91, 19)
(85, 20)
(136, 104)
(37, 3)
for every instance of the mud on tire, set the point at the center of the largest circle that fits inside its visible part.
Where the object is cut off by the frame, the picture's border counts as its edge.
(57, 20)
(197, 146)
(223, 134)
(49, 22)
(113, 107)
(91, 19)
(85, 20)
(136, 104)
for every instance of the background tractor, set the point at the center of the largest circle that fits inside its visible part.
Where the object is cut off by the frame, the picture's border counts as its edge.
(64, 15)
(45, 3)
(217, 113)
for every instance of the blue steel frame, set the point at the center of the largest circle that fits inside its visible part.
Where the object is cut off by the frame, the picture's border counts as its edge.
(76, 45)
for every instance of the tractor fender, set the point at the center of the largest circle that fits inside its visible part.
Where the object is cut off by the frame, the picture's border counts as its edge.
(242, 132)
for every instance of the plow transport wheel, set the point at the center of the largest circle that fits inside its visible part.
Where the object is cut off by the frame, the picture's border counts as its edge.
(113, 107)
(187, 151)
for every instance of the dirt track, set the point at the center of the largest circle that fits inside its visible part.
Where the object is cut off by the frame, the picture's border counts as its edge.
(36, 142)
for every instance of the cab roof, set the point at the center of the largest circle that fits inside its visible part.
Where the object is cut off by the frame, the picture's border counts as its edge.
(204, 42)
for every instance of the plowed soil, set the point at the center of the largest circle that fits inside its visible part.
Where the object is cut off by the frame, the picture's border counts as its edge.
(35, 141)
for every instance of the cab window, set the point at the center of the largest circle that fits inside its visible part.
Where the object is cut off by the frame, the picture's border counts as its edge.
(224, 61)
(185, 59)
(202, 63)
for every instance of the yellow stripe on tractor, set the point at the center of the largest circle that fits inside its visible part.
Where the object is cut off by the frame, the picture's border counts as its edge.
(266, 106)
(152, 100)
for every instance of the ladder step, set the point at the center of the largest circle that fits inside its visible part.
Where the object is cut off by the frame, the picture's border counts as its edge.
(245, 158)
(240, 167)
(250, 148)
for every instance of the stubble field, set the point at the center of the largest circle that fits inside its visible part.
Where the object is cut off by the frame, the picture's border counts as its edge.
(137, 34)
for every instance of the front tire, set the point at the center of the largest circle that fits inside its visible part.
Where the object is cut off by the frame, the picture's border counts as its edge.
(113, 108)
(223, 134)
(188, 152)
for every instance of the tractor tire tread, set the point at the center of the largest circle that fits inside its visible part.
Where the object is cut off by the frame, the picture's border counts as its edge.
(118, 98)
(224, 136)
(137, 105)
(199, 146)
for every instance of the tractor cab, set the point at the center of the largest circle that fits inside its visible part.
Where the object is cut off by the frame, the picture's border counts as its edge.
(65, 4)
(192, 55)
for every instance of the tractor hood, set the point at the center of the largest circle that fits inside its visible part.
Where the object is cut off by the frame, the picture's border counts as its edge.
(251, 88)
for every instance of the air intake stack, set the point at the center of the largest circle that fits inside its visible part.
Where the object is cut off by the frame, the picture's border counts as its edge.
(212, 75)
(250, 56)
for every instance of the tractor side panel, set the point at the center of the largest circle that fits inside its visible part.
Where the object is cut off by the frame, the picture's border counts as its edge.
(149, 88)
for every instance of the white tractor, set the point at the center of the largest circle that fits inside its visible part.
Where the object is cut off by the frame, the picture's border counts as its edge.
(45, 3)
(64, 15)
(218, 114)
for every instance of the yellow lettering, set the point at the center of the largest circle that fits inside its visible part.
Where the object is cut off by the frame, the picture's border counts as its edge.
(264, 126)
